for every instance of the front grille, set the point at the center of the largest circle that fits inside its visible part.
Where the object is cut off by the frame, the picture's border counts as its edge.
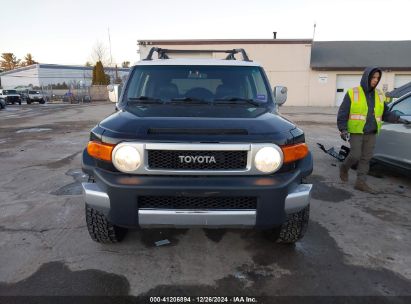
(197, 160)
(177, 202)
(13, 98)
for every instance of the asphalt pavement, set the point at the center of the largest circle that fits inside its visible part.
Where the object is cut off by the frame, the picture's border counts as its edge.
(357, 244)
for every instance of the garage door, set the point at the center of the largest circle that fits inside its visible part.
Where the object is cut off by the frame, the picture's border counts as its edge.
(345, 82)
(400, 80)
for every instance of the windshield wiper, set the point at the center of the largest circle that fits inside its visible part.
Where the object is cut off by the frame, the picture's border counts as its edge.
(234, 100)
(188, 100)
(145, 100)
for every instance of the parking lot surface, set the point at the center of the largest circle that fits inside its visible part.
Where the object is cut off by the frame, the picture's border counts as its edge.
(357, 244)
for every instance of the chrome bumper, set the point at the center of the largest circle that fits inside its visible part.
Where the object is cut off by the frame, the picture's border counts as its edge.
(296, 200)
(196, 218)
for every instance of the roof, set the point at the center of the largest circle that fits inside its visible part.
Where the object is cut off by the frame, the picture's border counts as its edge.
(398, 92)
(188, 61)
(223, 41)
(60, 67)
(356, 55)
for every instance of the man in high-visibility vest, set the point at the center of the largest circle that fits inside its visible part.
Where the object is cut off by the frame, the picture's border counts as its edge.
(359, 120)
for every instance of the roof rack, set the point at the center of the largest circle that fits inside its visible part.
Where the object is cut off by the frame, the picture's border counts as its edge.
(162, 53)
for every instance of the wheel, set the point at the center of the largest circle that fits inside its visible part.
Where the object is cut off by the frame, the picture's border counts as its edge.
(295, 226)
(100, 229)
(42, 101)
(28, 101)
(20, 102)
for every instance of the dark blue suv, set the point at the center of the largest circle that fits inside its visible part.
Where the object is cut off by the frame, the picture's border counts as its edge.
(197, 143)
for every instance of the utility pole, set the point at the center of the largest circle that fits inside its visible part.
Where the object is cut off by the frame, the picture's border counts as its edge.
(109, 43)
(111, 58)
(315, 25)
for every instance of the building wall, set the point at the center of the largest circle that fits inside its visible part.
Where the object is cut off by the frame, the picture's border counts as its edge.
(323, 93)
(285, 64)
(22, 77)
(50, 76)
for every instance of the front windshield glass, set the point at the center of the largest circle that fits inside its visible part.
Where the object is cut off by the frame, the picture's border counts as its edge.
(214, 84)
(34, 92)
(10, 92)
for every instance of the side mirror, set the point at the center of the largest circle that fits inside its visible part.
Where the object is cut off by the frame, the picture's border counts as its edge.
(280, 95)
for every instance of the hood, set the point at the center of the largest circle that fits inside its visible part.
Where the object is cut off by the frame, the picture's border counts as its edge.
(366, 78)
(266, 127)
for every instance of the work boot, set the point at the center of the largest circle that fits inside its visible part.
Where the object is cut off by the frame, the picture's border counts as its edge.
(363, 186)
(343, 173)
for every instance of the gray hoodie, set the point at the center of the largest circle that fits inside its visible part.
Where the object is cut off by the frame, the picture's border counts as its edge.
(370, 124)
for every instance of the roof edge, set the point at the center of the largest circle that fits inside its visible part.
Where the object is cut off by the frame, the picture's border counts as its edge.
(222, 41)
(386, 69)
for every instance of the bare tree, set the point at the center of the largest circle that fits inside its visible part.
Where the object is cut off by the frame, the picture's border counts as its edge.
(99, 53)
(125, 64)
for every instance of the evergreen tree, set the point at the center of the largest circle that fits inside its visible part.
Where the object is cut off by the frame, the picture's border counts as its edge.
(9, 61)
(94, 79)
(28, 60)
(99, 77)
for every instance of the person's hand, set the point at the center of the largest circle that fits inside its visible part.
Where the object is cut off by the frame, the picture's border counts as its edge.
(404, 121)
(344, 135)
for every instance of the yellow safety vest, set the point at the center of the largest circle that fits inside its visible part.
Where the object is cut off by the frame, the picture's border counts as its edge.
(359, 110)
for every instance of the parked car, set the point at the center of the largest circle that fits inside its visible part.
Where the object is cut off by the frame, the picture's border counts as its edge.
(10, 96)
(197, 143)
(24, 95)
(393, 146)
(2, 103)
(35, 96)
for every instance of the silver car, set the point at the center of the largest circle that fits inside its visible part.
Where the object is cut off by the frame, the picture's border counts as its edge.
(393, 146)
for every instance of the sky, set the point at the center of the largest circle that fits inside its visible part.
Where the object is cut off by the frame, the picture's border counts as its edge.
(66, 31)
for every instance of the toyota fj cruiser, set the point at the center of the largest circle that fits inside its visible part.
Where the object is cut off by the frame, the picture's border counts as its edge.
(197, 143)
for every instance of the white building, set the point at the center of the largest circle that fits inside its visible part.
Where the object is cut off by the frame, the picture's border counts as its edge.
(43, 75)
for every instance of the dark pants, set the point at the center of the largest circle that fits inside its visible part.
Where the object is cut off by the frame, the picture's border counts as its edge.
(361, 151)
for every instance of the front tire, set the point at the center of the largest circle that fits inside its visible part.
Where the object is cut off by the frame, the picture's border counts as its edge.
(101, 230)
(295, 226)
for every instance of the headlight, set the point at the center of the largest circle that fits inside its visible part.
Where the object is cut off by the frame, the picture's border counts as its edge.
(126, 159)
(268, 159)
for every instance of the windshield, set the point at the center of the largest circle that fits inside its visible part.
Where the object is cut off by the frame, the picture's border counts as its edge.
(34, 92)
(10, 92)
(191, 84)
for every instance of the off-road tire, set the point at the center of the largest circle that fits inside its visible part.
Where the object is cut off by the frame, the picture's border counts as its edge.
(42, 101)
(295, 226)
(28, 102)
(100, 229)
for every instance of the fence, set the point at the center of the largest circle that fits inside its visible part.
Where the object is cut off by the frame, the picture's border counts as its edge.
(77, 95)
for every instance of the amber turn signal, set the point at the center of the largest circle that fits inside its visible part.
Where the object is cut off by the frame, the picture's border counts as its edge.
(294, 152)
(100, 150)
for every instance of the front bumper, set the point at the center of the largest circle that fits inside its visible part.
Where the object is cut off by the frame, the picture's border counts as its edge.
(117, 196)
